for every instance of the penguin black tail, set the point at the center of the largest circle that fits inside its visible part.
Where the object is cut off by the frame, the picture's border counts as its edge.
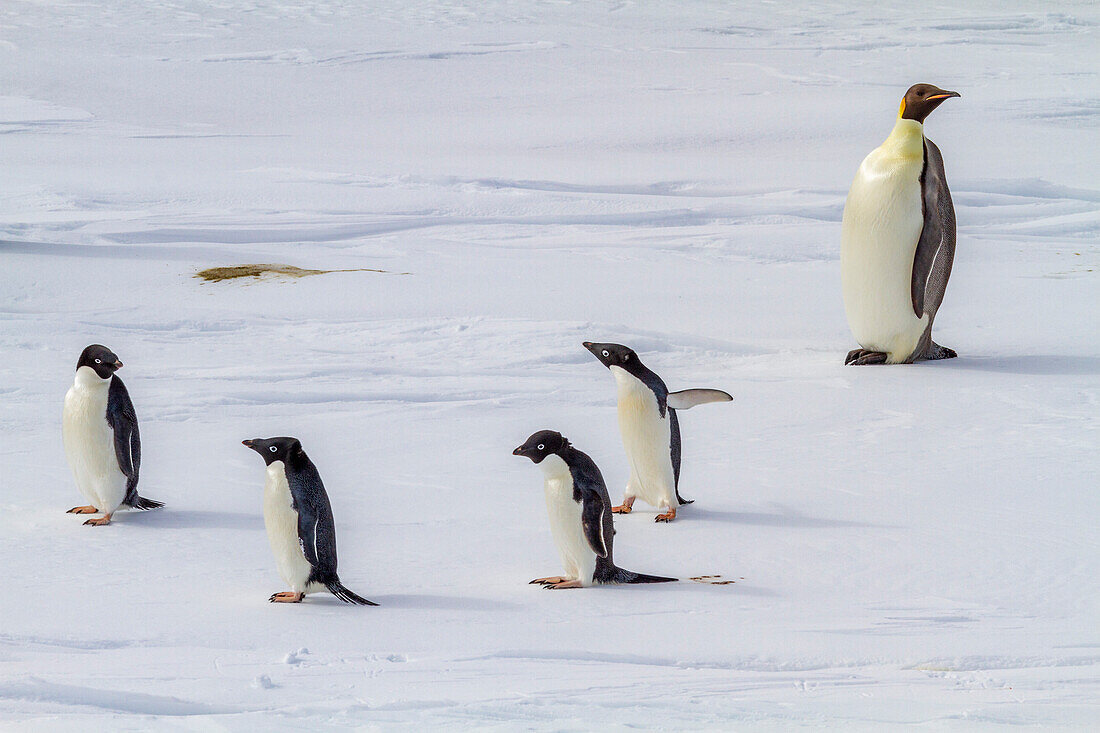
(626, 576)
(345, 595)
(682, 500)
(140, 502)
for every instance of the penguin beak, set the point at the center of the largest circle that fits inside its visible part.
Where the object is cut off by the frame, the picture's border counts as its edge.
(519, 451)
(944, 95)
(246, 443)
(118, 364)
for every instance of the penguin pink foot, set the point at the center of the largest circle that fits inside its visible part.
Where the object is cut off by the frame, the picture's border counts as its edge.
(83, 510)
(287, 597)
(625, 508)
(549, 581)
(101, 521)
(666, 517)
(566, 584)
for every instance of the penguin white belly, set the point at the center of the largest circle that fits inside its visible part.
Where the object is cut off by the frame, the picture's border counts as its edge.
(577, 558)
(281, 522)
(647, 438)
(882, 223)
(90, 446)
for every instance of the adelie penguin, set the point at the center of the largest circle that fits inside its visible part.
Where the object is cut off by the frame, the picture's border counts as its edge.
(100, 432)
(650, 428)
(898, 241)
(299, 522)
(580, 515)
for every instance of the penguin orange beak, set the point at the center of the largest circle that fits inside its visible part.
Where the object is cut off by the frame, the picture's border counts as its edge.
(118, 364)
(945, 95)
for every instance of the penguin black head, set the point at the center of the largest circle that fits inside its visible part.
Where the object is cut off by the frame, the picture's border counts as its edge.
(613, 354)
(541, 444)
(921, 99)
(99, 359)
(274, 449)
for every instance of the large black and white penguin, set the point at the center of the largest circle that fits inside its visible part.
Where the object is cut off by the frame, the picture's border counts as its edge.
(898, 241)
(100, 431)
(650, 428)
(580, 515)
(299, 522)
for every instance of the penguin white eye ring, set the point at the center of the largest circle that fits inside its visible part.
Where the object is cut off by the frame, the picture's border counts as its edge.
(98, 361)
(605, 353)
(542, 447)
(272, 448)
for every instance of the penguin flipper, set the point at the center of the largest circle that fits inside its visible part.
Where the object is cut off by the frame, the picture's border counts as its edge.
(688, 398)
(592, 515)
(337, 589)
(936, 246)
(122, 418)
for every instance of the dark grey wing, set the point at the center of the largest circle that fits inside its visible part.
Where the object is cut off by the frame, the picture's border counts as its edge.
(589, 489)
(123, 421)
(592, 512)
(936, 246)
(316, 528)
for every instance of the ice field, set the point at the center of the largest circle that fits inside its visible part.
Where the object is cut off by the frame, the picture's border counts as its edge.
(910, 545)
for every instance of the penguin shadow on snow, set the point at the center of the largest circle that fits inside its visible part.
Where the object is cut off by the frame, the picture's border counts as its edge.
(444, 603)
(785, 517)
(190, 519)
(1037, 364)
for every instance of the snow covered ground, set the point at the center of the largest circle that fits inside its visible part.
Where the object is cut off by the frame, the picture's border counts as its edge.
(910, 545)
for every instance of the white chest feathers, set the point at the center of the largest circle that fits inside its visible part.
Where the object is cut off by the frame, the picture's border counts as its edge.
(577, 559)
(90, 442)
(281, 522)
(647, 439)
(882, 223)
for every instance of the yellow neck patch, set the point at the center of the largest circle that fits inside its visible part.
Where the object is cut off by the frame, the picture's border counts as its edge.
(901, 109)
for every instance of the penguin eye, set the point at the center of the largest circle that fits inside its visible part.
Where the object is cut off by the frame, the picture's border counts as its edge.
(98, 361)
(605, 353)
(542, 447)
(273, 449)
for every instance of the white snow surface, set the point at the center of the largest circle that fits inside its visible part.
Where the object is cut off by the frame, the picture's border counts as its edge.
(911, 545)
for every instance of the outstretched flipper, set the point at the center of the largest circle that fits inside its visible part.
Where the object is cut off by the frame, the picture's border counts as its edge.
(689, 398)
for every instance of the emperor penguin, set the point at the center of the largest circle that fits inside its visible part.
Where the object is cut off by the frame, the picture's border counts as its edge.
(897, 241)
(580, 515)
(299, 522)
(650, 429)
(100, 431)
